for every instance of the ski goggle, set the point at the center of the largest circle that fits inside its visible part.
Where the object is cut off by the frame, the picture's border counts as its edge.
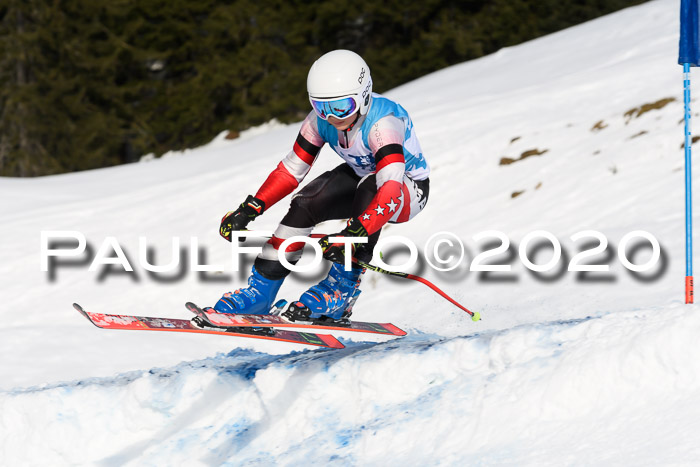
(339, 108)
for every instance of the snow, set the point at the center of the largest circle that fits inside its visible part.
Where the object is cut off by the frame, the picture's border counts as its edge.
(564, 368)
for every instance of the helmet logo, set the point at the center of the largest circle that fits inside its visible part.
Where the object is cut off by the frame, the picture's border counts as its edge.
(362, 76)
(366, 92)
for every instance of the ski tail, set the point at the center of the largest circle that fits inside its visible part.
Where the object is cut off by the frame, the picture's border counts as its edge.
(147, 323)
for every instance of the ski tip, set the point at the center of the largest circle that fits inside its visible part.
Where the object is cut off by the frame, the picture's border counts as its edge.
(84, 313)
(394, 330)
(331, 341)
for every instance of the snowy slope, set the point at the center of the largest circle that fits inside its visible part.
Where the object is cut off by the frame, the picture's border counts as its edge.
(590, 391)
(563, 369)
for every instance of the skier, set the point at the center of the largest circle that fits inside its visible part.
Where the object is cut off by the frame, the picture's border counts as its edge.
(384, 178)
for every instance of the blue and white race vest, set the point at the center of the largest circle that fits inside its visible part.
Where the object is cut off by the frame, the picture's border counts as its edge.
(360, 157)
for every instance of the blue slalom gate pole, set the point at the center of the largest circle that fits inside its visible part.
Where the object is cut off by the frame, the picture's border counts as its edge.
(688, 55)
(688, 188)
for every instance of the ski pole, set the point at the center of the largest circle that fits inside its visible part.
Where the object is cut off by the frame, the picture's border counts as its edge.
(475, 316)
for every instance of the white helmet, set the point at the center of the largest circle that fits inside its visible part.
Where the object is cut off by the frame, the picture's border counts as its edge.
(340, 73)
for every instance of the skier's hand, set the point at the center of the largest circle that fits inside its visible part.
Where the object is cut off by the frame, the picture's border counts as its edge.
(238, 220)
(335, 252)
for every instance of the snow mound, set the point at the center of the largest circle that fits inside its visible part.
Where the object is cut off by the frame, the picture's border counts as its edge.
(580, 390)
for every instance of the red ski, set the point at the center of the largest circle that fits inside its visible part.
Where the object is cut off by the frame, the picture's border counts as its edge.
(145, 323)
(225, 320)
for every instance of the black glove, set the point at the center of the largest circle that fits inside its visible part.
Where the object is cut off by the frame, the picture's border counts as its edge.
(251, 208)
(335, 252)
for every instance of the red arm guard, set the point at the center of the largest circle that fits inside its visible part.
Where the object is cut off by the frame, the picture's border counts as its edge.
(281, 181)
(379, 211)
(390, 166)
(278, 184)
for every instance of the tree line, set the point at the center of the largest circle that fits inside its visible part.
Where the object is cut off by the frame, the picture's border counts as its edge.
(94, 83)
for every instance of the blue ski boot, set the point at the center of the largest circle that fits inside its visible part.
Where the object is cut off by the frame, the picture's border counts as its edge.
(331, 299)
(255, 299)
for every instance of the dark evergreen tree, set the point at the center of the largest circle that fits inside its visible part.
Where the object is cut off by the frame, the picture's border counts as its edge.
(92, 83)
